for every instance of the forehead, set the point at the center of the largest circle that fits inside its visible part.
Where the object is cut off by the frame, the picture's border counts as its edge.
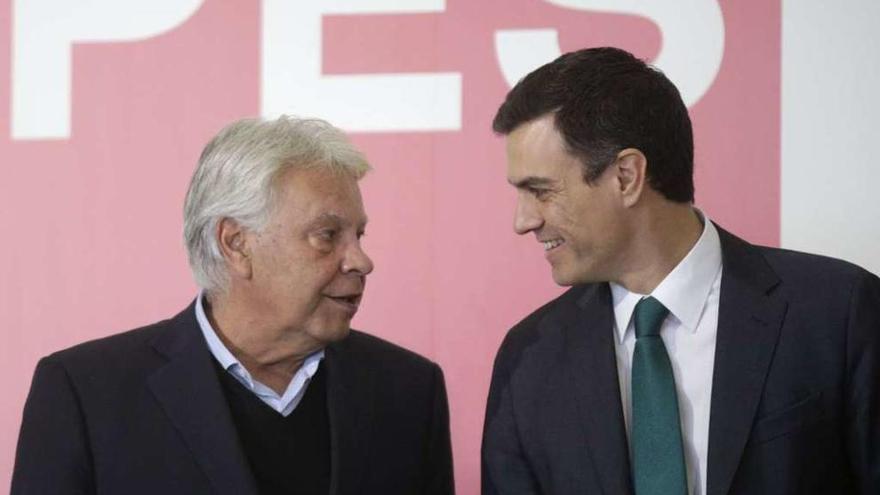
(536, 149)
(309, 194)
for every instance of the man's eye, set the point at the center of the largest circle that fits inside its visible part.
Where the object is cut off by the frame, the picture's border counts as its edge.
(539, 193)
(327, 234)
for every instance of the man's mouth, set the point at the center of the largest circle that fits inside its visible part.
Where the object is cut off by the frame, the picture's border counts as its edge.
(348, 301)
(551, 244)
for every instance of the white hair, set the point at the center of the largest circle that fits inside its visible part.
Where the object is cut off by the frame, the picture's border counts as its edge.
(235, 179)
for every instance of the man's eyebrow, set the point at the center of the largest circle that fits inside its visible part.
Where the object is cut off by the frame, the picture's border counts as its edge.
(530, 181)
(329, 217)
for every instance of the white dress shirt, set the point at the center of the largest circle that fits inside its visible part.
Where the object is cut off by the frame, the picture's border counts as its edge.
(284, 404)
(691, 293)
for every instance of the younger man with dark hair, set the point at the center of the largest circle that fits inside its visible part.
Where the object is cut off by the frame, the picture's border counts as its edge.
(683, 360)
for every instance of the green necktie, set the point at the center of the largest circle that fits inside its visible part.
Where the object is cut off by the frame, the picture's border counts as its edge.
(657, 454)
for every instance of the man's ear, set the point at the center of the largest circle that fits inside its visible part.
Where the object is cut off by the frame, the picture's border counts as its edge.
(632, 169)
(233, 242)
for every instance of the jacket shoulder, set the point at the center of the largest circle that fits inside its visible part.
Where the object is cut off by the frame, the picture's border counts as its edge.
(792, 266)
(526, 330)
(376, 349)
(122, 352)
(800, 269)
(531, 331)
(789, 258)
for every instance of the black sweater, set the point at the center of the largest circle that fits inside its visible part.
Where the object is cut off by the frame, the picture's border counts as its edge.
(288, 455)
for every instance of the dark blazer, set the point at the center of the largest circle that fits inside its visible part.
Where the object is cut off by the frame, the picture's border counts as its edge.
(795, 405)
(143, 412)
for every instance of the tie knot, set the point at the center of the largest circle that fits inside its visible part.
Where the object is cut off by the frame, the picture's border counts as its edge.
(648, 317)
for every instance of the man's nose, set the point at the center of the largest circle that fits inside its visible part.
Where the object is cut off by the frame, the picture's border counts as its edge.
(357, 261)
(526, 218)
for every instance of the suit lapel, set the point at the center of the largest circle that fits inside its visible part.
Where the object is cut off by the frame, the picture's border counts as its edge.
(189, 391)
(749, 321)
(350, 405)
(588, 332)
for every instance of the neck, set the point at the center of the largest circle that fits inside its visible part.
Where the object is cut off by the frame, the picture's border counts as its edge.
(272, 355)
(666, 233)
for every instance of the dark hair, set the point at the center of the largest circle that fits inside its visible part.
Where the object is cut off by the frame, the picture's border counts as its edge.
(606, 100)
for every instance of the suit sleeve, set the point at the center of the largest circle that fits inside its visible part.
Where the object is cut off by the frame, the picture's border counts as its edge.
(439, 479)
(52, 456)
(505, 469)
(863, 383)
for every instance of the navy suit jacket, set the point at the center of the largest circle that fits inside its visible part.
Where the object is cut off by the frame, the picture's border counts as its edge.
(143, 412)
(795, 405)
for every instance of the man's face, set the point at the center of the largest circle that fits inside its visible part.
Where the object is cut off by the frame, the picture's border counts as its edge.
(309, 269)
(580, 226)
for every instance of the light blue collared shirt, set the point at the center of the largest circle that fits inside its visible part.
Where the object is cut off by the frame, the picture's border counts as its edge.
(296, 389)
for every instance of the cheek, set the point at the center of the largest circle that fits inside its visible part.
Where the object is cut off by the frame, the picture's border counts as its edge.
(614, 236)
(290, 283)
(316, 278)
(295, 269)
(592, 226)
(558, 215)
(574, 223)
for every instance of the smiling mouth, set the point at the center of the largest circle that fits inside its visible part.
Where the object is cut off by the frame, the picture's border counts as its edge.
(552, 244)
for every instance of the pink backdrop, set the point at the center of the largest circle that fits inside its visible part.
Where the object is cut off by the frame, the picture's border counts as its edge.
(91, 224)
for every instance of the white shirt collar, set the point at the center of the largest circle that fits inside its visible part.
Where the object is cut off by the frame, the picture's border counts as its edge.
(685, 289)
(284, 403)
(220, 352)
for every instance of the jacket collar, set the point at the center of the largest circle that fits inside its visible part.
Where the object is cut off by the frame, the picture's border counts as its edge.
(750, 318)
(190, 393)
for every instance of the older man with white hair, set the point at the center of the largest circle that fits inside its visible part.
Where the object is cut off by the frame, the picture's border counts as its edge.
(260, 385)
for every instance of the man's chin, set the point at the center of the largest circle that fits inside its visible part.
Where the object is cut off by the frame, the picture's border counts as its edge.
(336, 334)
(562, 280)
(567, 278)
